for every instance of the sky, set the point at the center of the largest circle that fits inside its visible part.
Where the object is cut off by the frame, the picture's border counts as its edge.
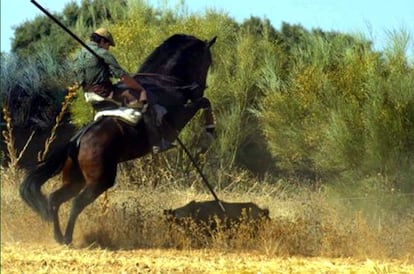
(373, 18)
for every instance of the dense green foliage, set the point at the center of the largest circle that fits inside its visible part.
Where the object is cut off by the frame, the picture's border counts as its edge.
(343, 109)
(309, 103)
(33, 36)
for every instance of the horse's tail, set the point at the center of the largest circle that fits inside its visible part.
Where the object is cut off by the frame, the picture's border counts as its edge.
(30, 189)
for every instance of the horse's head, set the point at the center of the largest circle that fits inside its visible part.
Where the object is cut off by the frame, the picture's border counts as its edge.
(184, 58)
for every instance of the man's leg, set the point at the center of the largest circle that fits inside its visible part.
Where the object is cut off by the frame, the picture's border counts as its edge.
(128, 97)
(152, 121)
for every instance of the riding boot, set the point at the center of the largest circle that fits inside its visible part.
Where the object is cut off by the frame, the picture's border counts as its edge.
(137, 105)
(163, 146)
(158, 143)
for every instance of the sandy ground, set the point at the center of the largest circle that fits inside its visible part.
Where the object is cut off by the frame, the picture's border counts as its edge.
(53, 258)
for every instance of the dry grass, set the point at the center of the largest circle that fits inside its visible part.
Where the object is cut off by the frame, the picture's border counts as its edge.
(35, 258)
(125, 231)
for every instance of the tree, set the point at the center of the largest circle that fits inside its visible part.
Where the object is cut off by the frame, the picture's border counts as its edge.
(31, 36)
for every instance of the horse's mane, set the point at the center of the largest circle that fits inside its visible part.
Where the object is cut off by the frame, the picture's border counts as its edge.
(172, 55)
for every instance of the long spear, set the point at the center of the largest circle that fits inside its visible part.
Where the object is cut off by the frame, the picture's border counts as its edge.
(201, 174)
(65, 28)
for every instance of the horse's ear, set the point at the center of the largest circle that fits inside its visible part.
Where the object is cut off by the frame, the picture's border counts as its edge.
(212, 41)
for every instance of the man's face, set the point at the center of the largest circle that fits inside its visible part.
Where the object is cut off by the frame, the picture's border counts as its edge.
(104, 44)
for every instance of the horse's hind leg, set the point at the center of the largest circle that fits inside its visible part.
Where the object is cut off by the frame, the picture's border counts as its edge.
(94, 188)
(73, 182)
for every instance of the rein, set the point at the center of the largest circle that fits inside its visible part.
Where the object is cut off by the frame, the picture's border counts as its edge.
(169, 78)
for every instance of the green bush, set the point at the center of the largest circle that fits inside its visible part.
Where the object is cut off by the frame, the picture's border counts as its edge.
(32, 89)
(350, 110)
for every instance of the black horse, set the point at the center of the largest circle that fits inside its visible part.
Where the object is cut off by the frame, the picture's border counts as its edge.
(175, 71)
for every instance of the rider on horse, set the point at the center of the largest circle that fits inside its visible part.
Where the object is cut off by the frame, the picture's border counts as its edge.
(88, 162)
(94, 74)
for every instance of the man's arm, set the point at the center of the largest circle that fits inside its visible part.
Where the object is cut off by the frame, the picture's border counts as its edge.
(118, 71)
(132, 83)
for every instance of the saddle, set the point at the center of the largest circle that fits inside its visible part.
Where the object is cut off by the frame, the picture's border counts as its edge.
(129, 115)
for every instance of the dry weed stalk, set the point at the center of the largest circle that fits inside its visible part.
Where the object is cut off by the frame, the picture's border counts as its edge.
(9, 140)
(72, 91)
(8, 137)
(105, 204)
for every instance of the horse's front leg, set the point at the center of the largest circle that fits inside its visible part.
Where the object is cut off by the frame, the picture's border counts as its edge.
(209, 119)
(209, 134)
(178, 120)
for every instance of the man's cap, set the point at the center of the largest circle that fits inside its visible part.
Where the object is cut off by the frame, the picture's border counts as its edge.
(103, 32)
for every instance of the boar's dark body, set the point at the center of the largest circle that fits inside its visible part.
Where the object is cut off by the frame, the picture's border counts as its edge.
(208, 213)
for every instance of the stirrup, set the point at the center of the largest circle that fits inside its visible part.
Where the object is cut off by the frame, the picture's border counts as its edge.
(141, 107)
(164, 146)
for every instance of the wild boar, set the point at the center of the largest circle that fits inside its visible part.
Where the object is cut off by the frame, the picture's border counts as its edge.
(208, 214)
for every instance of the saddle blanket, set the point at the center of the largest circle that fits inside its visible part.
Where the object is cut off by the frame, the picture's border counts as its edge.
(129, 115)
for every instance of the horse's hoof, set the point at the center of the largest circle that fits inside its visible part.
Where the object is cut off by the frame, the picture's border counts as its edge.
(59, 240)
(67, 242)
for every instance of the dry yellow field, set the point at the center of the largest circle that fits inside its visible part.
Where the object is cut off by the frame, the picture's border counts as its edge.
(124, 232)
(43, 258)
